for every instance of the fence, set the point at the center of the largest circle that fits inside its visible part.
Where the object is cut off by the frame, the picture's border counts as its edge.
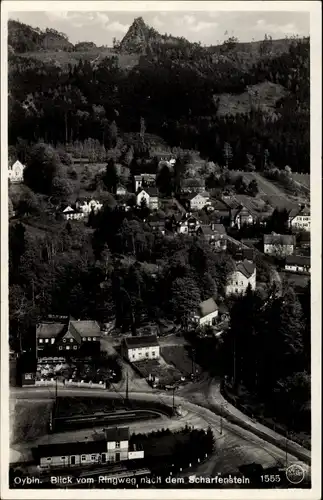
(68, 383)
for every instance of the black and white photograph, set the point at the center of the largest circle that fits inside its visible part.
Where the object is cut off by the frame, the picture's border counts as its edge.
(161, 225)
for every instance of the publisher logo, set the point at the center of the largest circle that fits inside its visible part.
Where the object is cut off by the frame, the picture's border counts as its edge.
(295, 474)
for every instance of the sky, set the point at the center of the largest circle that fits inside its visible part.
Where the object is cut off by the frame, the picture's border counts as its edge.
(206, 27)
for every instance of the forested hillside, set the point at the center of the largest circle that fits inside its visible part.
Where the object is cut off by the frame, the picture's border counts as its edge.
(193, 97)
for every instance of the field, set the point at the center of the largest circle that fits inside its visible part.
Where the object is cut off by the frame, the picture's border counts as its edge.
(264, 96)
(179, 357)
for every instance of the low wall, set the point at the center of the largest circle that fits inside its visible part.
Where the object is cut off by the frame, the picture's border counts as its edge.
(53, 383)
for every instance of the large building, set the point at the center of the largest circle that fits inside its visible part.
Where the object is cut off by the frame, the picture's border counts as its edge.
(140, 348)
(112, 447)
(69, 338)
(241, 277)
(300, 218)
(148, 195)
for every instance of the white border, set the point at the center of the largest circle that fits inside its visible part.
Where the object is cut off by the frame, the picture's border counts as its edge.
(314, 8)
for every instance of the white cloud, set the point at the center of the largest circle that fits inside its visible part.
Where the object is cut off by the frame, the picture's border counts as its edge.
(283, 29)
(116, 26)
(214, 15)
(102, 18)
(203, 25)
(190, 20)
(158, 22)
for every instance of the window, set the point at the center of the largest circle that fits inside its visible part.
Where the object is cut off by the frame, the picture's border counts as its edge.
(52, 341)
(60, 348)
(63, 458)
(71, 340)
(83, 458)
(117, 444)
(93, 457)
(46, 341)
(67, 347)
(147, 354)
(74, 347)
(153, 353)
(40, 341)
(89, 338)
(94, 338)
(48, 459)
(64, 340)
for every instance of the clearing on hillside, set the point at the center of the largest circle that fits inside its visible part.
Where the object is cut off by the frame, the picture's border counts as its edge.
(261, 96)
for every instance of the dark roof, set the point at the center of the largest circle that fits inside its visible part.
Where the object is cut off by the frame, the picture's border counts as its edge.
(193, 182)
(207, 307)
(246, 267)
(220, 205)
(87, 328)
(117, 434)
(279, 239)
(144, 341)
(299, 211)
(152, 191)
(72, 448)
(300, 260)
(219, 228)
(49, 330)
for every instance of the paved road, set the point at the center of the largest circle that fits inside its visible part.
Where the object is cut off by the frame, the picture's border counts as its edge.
(235, 446)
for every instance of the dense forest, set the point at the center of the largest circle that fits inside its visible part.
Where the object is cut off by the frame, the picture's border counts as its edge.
(176, 89)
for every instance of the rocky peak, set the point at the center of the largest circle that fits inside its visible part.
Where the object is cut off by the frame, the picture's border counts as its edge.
(138, 37)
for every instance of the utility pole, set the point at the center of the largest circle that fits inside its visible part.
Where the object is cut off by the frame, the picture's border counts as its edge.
(127, 389)
(173, 400)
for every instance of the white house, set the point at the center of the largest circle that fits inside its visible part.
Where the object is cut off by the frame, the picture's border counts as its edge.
(298, 264)
(207, 313)
(300, 218)
(111, 447)
(121, 190)
(197, 201)
(140, 348)
(243, 275)
(70, 213)
(188, 224)
(89, 205)
(279, 244)
(149, 195)
(16, 172)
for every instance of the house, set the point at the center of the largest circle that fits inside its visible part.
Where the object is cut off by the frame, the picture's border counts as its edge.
(217, 240)
(89, 205)
(148, 195)
(16, 172)
(241, 277)
(68, 338)
(298, 264)
(156, 223)
(188, 224)
(196, 201)
(144, 180)
(140, 348)
(221, 213)
(300, 218)
(279, 244)
(207, 313)
(121, 190)
(71, 213)
(112, 446)
(242, 216)
(193, 185)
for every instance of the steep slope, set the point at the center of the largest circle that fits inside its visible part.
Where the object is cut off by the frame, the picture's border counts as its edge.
(23, 38)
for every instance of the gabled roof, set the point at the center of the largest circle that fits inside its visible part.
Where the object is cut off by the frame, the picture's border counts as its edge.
(279, 239)
(144, 341)
(191, 196)
(151, 191)
(299, 260)
(117, 434)
(207, 307)
(305, 211)
(16, 164)
(72, 448)
(86, 328)
(49, 330)
(246, 267)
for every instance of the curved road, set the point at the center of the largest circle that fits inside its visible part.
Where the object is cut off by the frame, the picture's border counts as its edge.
(234, 445)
